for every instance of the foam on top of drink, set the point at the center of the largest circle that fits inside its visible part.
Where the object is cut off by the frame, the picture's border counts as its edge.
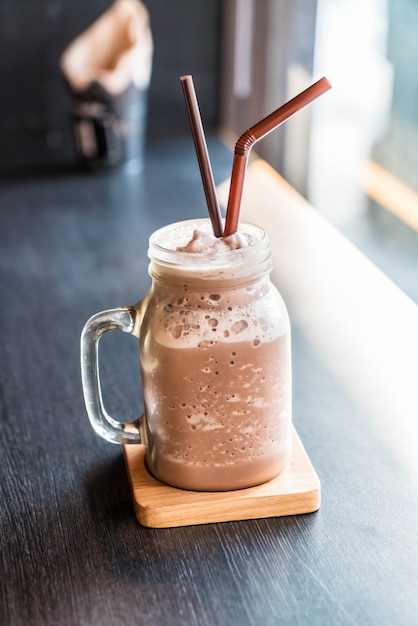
(206, 243)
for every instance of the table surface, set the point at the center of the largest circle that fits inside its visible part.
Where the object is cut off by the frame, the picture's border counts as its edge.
(72, 551)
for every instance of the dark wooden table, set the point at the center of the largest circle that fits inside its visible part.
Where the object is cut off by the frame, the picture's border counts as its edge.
(72, 551)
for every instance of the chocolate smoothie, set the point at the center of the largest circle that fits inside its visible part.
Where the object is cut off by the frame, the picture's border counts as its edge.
(215, 362)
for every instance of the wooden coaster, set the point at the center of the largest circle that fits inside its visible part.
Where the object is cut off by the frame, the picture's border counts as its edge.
(297, 490)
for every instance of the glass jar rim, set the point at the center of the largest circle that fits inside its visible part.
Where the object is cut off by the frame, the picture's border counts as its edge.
(163, 252)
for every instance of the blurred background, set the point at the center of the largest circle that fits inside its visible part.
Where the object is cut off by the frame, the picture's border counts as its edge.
(353, 154)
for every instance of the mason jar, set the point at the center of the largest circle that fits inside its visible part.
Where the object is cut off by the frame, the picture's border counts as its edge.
(215, 360)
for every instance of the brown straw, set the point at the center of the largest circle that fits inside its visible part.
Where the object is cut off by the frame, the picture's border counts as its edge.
(202, 154)
(254, 134)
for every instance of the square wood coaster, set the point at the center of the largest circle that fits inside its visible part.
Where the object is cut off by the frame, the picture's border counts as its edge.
(297, 490)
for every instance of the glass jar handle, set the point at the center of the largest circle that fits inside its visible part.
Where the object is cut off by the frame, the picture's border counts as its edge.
(106, 426)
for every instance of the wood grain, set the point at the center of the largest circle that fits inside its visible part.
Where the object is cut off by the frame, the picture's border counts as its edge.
(297, 490)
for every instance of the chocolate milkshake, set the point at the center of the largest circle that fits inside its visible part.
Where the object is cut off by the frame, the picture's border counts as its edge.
(215, 361)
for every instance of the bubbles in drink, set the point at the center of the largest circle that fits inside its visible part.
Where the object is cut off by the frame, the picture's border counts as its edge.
(238, 327)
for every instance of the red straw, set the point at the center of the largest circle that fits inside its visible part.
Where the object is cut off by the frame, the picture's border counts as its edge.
(202, 154)
(254, 134)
